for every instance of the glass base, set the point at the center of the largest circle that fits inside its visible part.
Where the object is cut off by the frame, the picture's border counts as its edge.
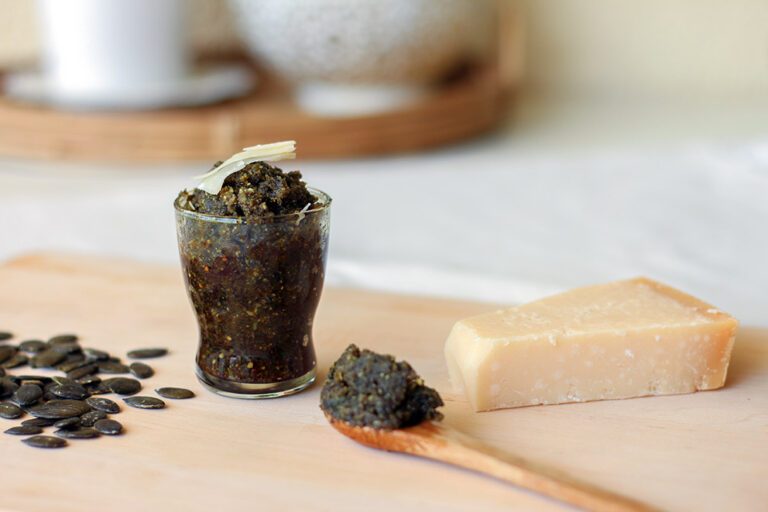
(247, 391)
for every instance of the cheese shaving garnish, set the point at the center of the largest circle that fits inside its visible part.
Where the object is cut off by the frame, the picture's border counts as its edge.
(213, 180)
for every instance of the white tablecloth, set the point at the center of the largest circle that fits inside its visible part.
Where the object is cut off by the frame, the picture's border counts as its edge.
(540, 207)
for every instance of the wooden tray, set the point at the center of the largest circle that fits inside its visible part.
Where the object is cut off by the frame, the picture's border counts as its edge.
(706, 451)
(467, 106)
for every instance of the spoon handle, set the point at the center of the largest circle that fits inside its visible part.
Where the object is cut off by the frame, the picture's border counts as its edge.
(448, 445)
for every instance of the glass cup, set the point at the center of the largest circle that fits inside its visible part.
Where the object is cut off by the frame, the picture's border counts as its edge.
(255, 286)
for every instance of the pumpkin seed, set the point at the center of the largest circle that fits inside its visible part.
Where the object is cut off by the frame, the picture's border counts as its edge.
(147, 353)
(67, 348)
(103, 404)
(79, 433)
(96, 355)
(39, 378)
(74, 364)
(32, 346)
(123, 385)
(33, 382)
(175, 393)
(62, 338)
(59, 409)
(68, 423)
(24, 430)
(58, 379)
(108, 427)
(10, 411)
(15, 361)
(141, 370)
(47, 359)
(72, 391)
(7, 387)
(88, 380)
(98, 388)
(83, 371)
(45, 442)
(89, 418)
(6, 352)
(27, 394)
(144, 402)
(74, 357)
(113, 367)
(5, 335)
(38, 422)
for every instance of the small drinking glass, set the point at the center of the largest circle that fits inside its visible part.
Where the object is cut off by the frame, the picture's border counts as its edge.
(255, 286)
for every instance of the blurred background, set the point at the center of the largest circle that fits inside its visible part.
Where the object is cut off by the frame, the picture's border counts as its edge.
(480, 149)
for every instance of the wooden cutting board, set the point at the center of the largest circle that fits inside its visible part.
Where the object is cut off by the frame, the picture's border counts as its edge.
(706, 451)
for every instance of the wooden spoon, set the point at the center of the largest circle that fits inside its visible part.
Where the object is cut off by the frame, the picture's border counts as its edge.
(438, 442)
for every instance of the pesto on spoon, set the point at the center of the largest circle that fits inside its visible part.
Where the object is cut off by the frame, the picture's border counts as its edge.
(366, 389)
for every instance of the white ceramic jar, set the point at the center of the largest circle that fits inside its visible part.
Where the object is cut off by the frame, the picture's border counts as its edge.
(351, 57)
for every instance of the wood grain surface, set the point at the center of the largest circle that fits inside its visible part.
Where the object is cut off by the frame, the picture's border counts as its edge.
(465, 108)
(706, 451)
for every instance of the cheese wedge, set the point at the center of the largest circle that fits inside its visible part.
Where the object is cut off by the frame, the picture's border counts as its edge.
(618, 340)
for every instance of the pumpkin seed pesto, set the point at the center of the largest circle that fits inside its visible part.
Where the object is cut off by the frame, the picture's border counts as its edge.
(374, 390)
(254, 270)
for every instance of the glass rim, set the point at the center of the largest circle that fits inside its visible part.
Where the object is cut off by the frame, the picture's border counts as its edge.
(324, 199)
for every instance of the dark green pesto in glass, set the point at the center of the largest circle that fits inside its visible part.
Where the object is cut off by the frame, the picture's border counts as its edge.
(254, 262)
(367, 389)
